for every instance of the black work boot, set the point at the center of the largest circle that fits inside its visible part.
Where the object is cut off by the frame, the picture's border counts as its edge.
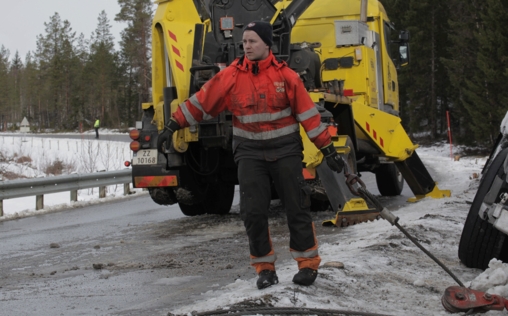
(305, 276)
(267, 278)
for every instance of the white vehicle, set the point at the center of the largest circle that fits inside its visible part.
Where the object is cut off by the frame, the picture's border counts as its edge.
(485, 233)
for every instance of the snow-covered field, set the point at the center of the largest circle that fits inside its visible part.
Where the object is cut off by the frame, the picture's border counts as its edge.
(28, 156)
(383, 271)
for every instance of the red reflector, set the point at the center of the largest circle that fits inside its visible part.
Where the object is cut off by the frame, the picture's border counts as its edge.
(348, 92)
(147, 138)
(127, 163)
(134, 134)
(155, 181)
(134, 145)
(309, 174)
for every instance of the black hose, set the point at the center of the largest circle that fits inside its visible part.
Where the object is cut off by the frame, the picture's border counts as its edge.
(284, 311)
(366, 194)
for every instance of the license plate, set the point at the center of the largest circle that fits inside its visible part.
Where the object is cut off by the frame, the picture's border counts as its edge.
(145, 157)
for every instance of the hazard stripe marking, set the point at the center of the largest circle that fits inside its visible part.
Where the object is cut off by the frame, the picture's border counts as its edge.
(155, 181)
(176, 50)
(173, 36)
(374, 135)
(179, 65)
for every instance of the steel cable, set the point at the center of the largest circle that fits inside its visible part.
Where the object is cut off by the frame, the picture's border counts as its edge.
(366, 194)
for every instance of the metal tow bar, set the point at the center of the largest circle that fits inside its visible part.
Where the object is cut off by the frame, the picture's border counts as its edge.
(456, 299)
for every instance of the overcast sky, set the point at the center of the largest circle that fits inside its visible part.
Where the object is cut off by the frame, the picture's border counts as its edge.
(22, 20)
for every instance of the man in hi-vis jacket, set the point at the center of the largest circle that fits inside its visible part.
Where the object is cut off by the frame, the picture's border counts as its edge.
(96, 126)
(268, 102)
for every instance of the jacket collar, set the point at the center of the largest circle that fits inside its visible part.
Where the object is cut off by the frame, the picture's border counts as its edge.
(245, 64)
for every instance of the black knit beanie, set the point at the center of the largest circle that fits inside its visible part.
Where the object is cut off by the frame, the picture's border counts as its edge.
(263, 29)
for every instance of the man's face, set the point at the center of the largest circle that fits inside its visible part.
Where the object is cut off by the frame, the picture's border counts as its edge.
(254, 47)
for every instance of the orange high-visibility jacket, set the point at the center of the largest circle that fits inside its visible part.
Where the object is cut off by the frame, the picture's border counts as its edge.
(266, 103)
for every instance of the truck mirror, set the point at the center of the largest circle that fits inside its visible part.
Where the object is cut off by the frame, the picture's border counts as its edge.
(404, 54)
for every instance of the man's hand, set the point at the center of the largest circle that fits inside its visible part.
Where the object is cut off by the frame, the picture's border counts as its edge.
(333, 159)
(167, 135)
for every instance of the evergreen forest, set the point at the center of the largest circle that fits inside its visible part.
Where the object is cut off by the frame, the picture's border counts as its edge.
(459, 65)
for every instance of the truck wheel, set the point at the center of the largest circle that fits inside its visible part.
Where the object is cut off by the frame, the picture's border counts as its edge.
(192, 210)
(389, 180)
(481, 241)
(216, 199)
(220, 198)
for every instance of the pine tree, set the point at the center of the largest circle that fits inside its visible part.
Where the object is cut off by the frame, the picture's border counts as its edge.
(461, 63)
(485, 97)
(59, 68)
(29, 88)
(15, 95)
(4, 86)
(135, 55)
(426, 76)
(101, 72)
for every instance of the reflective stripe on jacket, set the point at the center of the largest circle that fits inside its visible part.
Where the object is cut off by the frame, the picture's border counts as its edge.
(265, 105)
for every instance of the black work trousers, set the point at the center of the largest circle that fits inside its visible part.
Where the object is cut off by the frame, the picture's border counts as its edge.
(255, 177)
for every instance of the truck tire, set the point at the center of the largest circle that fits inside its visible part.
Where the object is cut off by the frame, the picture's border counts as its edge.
(389, 180)
(217, 199)
(481, 241)
(192, 209)
(220, 198)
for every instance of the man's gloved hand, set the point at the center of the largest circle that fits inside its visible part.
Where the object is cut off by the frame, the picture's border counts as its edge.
(333, 159)
(167, 135)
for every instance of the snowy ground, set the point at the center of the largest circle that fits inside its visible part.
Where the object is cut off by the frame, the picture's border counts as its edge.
(29, 156)
(383, 271)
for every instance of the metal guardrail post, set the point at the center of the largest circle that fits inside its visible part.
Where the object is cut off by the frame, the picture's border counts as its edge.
(39, 202)
(102, 192)
(1, 208)
(126, 189)
(74, 195)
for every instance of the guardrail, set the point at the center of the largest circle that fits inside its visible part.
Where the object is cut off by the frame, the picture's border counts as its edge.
(73, 182)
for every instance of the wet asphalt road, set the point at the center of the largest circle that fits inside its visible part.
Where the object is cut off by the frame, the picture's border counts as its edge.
(129, 257)
(88, 261)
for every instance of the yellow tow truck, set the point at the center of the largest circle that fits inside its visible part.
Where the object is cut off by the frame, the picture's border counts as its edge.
(345, 55)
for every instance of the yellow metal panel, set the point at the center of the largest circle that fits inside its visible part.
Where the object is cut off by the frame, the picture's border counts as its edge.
(191, 136)
(158, 116)
(390, 78)
(436, 193)
(179, 142)
(173, 33)
(316, 96)
(343, 9)
(385, 131)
